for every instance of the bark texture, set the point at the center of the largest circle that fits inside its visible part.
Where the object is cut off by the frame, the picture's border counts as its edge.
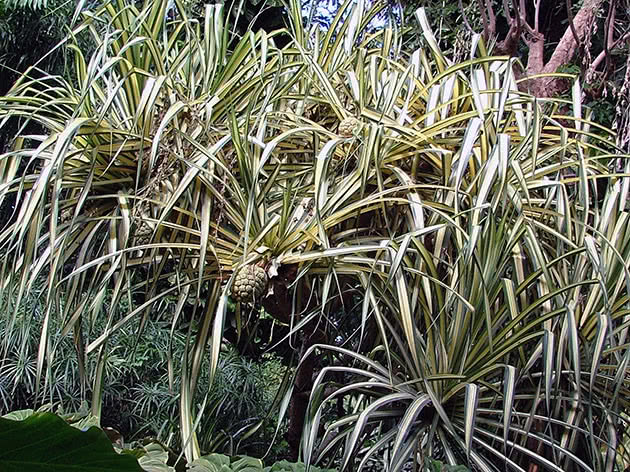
(524, 21)
(302, 390)
(280, 305)
(566, 49)
(575, 35)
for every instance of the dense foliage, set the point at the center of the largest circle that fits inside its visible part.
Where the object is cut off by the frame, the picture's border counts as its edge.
(445, 254)
(139, 397)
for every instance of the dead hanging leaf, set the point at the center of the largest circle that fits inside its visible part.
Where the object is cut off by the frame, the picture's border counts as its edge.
(272, 270)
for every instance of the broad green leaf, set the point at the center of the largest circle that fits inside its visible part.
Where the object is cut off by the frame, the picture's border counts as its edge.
(45, 442)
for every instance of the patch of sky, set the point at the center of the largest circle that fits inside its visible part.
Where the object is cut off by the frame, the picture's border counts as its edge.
(320, 13)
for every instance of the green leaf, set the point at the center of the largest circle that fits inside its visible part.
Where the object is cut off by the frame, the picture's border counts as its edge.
(44, 442)
(211, 463)
(432, 465)
(286, 466)
(155, 459)
(247, 464)
(19, 415)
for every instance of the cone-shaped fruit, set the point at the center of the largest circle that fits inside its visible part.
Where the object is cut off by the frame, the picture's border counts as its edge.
(250, 284)
(348, 127)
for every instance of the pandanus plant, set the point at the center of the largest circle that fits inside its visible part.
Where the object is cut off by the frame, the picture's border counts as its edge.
(451, 221)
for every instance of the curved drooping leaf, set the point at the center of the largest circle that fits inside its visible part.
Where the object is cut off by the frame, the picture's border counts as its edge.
(19, 415)
(155, 459)
(44, 442)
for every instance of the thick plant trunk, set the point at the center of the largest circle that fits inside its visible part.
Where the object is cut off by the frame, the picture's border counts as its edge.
(299, 399)
(567, 47)
(524, 20)
(280, 305)
(574, 36)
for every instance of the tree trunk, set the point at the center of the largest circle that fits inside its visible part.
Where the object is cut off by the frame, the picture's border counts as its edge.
(567, 47)
(299, 399)
(280, 305)
(562, 55)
